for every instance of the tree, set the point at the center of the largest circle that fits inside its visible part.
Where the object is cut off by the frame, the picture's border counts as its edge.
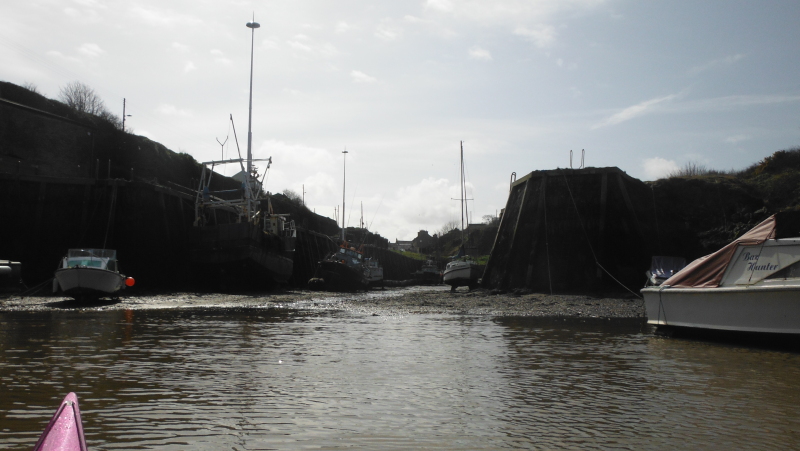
(82, 98)
(31, 87)
(293, 196)
(449, 226)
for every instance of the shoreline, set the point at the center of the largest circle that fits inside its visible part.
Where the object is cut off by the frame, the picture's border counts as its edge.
(391, 301)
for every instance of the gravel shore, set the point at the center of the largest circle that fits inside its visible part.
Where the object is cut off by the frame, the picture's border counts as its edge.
(390, 301)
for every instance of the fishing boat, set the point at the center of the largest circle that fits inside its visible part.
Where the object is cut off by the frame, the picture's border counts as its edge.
(429, 273)
(342, 270)
(751, 285)
(237, 234)
(373, 272)
(65, 430)
(237, 239)
(86, 274)
(462, 270)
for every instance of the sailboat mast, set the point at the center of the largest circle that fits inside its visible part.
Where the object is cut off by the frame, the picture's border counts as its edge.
(344, 183)
(463, 192)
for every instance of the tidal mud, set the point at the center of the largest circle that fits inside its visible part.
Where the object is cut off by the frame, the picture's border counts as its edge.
(389, 301)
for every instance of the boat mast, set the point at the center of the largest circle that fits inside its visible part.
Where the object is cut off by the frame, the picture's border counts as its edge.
(463, 195)
(344, 183)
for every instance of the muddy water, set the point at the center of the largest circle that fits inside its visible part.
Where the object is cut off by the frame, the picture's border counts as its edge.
(256, 379)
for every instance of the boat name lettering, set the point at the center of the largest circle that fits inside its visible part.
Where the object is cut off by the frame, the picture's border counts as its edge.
(747, 256)
(766, 267)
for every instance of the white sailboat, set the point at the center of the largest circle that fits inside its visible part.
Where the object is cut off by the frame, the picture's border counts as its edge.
(462, 271)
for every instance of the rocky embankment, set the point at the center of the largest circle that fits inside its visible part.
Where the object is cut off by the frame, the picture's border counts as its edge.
(394, 301)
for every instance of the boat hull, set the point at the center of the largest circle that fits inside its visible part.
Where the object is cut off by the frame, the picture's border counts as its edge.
(65, 430)
(230, 245)
(460, 274)
(338, 276)
(773, 310)
(89, 282)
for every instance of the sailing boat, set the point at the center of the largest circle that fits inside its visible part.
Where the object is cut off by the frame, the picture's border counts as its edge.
(462, 270)
(236, 231)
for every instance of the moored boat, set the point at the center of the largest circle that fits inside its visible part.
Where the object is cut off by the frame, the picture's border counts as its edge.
(429, 273)
(86, 274)
(461, 271)
(341, 270)
(750, 285)
(65, 430)
(373, 272)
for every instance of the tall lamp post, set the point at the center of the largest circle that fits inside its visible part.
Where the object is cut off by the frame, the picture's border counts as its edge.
(123, 114)
(251, 25)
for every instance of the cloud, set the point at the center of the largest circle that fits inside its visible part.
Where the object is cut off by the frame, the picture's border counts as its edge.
(634, 111)
(220, 57)
(361, 77)
(656, 167)
(735, 139)
(479, 54)
(341, 27)
(542, 36)
(307, 46)
(172, 110)
(188, 67)
(180, 47)
(164, 18)
(726, 61)
(91, 50)
(439, 5)
(388, 32)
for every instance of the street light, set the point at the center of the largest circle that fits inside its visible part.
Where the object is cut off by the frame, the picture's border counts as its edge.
(251, 25)
(123, 114)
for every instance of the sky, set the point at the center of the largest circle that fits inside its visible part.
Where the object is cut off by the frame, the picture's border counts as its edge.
(645, 86)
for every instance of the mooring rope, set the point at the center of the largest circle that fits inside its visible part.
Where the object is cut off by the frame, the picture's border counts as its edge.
(586, 235)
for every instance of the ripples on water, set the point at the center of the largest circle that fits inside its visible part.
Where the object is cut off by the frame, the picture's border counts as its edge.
(257, 379)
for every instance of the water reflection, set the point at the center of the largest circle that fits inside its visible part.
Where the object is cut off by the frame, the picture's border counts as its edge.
(268, 379)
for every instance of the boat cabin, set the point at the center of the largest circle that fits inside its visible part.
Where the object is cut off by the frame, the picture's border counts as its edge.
(91, 258)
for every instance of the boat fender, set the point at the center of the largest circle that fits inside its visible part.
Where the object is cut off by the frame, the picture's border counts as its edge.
(130, 281)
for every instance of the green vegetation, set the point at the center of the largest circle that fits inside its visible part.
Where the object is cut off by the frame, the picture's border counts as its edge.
(700, 210)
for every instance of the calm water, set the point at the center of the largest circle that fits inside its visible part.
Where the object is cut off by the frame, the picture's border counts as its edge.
(257, 379)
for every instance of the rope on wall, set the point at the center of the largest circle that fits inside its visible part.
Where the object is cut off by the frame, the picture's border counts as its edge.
(586, 235)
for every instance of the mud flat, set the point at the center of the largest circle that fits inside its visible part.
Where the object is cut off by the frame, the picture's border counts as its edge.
(393, 301)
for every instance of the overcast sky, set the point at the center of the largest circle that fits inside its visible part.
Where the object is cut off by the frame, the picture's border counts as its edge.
(646, 86)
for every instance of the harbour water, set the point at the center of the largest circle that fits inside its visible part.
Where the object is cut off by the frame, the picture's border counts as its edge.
(258, 379)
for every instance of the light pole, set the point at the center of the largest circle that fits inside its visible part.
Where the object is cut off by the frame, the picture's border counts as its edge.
(252, 26)
(344, 183)
(123, 114)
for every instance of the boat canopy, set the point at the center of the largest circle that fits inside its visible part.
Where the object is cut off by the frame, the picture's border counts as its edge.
(91, 258)
(708, 271)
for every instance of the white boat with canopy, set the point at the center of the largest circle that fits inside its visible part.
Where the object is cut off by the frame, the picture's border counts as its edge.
(750, 285)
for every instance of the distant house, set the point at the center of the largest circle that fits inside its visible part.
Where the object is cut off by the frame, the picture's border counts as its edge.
(401, 246)
(424, 243)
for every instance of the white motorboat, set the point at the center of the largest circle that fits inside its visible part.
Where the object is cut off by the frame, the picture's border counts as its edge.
(90, 274)
(750, 285)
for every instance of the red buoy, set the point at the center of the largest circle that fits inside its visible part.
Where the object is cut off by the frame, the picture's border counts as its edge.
(129, 281)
